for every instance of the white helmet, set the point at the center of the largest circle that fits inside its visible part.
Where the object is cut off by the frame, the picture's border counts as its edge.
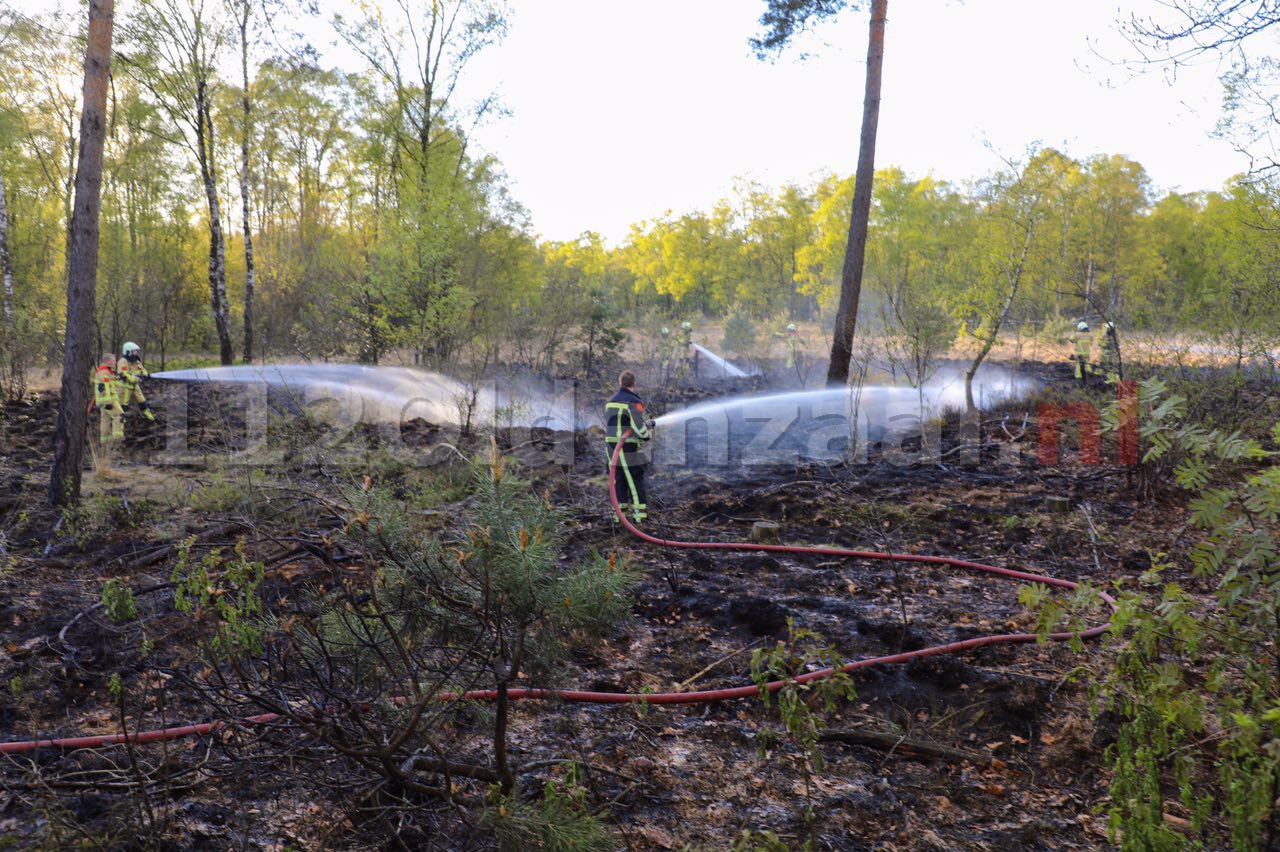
(130, 348)
(1082, 326)
(791, 326)
(665, 331)
(686, 326)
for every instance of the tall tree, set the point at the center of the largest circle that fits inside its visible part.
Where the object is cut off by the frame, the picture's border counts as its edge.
(244, 9)
(178, 41)
(440, 37)
(10, 349)
(783, 20)
(1012, 217)
(77, 357)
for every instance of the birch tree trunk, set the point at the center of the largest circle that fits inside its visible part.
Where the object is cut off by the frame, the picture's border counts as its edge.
(77, 355)
(250, 277)
(217, 244)
(6, 272)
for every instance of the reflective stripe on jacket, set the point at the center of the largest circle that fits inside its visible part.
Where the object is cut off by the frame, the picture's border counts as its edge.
(624, 411)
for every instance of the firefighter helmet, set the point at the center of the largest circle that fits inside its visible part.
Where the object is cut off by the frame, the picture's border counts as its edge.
(130, 348)
(1082, 326)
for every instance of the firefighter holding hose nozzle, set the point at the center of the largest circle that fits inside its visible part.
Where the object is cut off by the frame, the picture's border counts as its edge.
(625, 411)
(131, 372)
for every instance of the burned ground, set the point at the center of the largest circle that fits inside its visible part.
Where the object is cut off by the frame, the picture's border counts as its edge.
(991, 748)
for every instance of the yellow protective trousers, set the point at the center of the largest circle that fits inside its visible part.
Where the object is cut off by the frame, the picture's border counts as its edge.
(130, 387)
(1084, 355)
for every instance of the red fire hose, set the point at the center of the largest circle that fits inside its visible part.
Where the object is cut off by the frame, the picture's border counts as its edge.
(698, 697)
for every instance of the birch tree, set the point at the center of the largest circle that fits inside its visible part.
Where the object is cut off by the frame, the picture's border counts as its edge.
(176, 43)
(244, 10)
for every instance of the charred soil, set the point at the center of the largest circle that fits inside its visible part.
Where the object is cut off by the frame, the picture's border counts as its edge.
(993, 748)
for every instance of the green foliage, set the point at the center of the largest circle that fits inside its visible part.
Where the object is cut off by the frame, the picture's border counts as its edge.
(408, 612)
(560, 821)
(378, 227)
(758, 841)
(1179, 451)
(801, 703)
(922, 331)
(118, 601)
(103, 514)
(602, 334)
(1195, 682)
(740, 334)
(224, 597)
(219, 494)
(1075, 613)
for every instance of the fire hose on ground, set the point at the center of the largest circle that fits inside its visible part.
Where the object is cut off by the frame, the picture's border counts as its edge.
(692, 697)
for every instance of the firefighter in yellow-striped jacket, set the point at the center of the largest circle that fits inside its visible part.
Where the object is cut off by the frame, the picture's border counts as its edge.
(106, 397)
(1082, 342)
(131, 372)
(625, 411)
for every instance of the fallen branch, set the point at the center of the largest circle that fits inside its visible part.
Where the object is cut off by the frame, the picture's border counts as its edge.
(906, 746)
(146, 560)
(684, 684)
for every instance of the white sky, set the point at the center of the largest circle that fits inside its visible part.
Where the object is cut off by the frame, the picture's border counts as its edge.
(623, 110)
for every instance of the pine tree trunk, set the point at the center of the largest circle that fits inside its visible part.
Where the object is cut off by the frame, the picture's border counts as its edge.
(250, 278)
(217, 245)
(77, 356)
(856, 249)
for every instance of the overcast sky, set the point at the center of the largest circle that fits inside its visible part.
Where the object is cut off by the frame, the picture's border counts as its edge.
(622, 110)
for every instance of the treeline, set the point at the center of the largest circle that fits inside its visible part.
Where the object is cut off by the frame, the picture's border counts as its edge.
(258, 203)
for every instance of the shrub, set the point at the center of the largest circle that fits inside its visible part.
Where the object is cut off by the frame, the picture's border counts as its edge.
(118, 602)
(376, 652)
(1195, 683)
(740, 335)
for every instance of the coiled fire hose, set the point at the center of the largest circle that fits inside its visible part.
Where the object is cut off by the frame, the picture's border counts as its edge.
(694, 697)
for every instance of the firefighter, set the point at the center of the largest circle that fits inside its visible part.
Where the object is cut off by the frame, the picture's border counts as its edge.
(1111, 365)
(131, 372)
(792, 338)
(625, 410)
(107, 398)
(1083, 355)
(665, 355)
(690, 355)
